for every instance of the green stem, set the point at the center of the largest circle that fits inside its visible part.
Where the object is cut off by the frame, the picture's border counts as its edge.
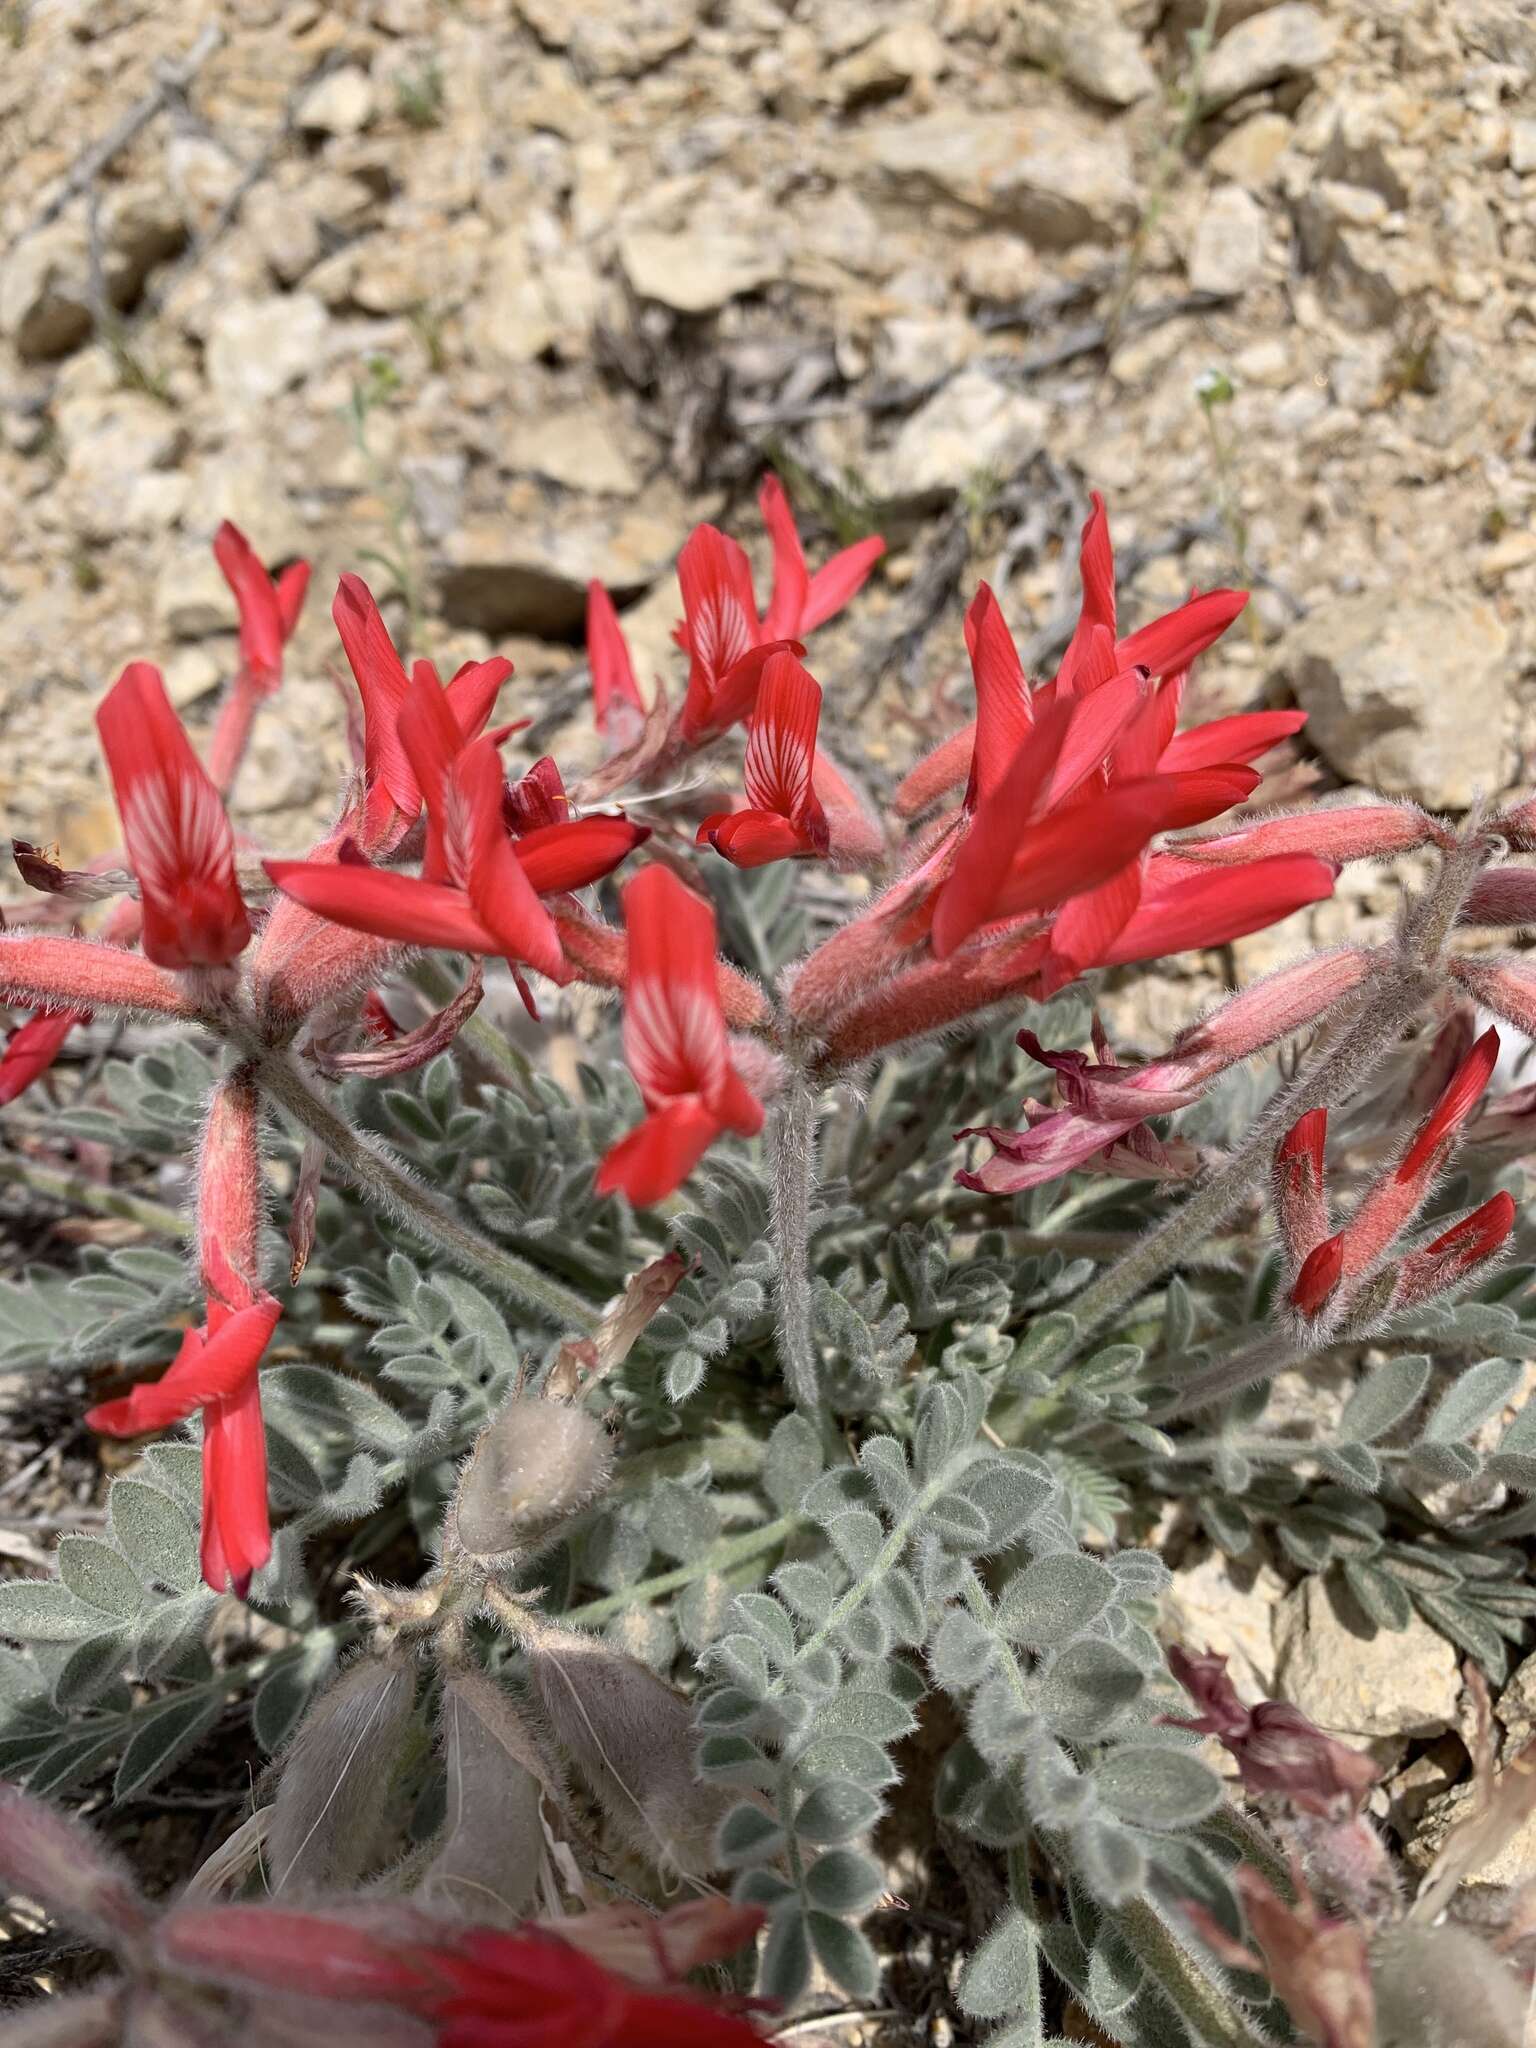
(720, 1557)
(376, 1172)
(477, 1032)
(1361, 1046)
(1197, 2000)
(79, 1193)
(792, 1153)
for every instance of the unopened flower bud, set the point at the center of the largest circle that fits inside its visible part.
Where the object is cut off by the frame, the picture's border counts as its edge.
(1456, 1252)
(632, 1738)
(1321, 1271)
(536, 1464)
(331, 1812)
(486, 1866)
(63, 1866)
(1301, 1207)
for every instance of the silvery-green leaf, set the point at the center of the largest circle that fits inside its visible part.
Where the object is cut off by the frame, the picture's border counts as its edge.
(793, 1461)
(1055, 1598)
(1002, 1977)
(1087, 1687)
(1383, 1398)
(835, 1811)
(1109, 1860)
(1482, 1390)
(807, 1589)
(44, 1611)
(99, 1575)
(845, 1955)
(155, 1534)
(844, 1881)
(1156, 1786)
(162, 1739)
(747, 1835)
(786, 1959)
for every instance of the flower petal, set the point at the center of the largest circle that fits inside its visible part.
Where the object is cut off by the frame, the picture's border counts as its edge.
(179, 841)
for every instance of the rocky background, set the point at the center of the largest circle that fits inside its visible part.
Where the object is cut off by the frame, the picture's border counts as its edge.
(485, 297)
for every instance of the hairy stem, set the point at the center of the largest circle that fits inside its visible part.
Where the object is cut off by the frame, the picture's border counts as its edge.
(719, 1557)
(491, 1046)
(1369, 1038)
(376, 1172)
(791, 1138)
(80, 1193)
(1196, 1999)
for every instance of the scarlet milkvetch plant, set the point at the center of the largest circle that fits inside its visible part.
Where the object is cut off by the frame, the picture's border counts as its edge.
(936, 1364)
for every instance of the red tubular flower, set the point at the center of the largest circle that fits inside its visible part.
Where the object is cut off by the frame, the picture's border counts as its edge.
(802, 602)
(1318, 1280)
(48, 969)
(1179, 911)
(1164, 650)
(1456, 1252)
(1301, 1204)
(784, 816)
(33, 1047)
(1338, 832)
(269, 606)
(726, 643)
(482, 1988)
(178, 839)
(477, 892)
(1461, 1096)
(394, 794)
(269, 610)
(215, 1370)
(674, 1041)
(721, 628)
(617, 706)
(1506, 984)
(525, 1988)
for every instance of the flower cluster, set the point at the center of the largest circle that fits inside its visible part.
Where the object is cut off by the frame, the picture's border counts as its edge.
(1023, 852)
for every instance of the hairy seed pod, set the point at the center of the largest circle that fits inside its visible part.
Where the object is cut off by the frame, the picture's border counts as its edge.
(632, 1738)
(486, 1866)
(330, 1813)
(536, 1464)
(1440, 1987)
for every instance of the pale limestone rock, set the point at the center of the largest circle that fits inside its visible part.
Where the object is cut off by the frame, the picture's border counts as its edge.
(1058, 178)
(1289, 41)
(257, 348)
(908, 53)
(1228, 250)
(342, 103)
(1229, 1607)
(1087, 43)
(974, 426)
(696, 272)
(996, 269)
(44, 299)
(192, 599)
(584, 450)
(1406, 692)
(525, 575)
(1357, 1680)
(1251, 153)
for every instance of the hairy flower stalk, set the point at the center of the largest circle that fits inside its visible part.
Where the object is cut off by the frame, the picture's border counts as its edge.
(1393, 996)
(791, 1141)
